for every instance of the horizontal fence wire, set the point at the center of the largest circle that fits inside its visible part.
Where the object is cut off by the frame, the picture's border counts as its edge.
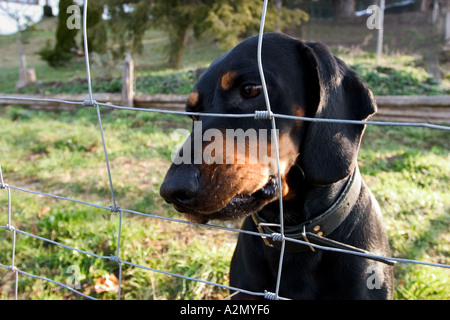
(212, 226)
(256, 114)
(268, 114)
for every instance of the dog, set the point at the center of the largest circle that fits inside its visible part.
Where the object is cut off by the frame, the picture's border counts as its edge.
(325, 201)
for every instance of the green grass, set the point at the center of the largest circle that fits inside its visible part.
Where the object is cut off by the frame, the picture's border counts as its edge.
(61, 153)
(397, 75)
(408, 170)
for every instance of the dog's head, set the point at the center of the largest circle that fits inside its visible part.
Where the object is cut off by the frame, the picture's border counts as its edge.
(226, 168)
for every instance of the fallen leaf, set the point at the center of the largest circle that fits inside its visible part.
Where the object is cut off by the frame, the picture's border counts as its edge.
(108, 282)
(43, 211)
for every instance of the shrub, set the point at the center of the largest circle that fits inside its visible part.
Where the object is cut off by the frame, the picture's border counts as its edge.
(48, 13)
(55, 57)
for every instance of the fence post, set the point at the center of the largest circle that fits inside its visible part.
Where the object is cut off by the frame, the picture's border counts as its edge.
(447, 27)
(381, 29)
(128, 81)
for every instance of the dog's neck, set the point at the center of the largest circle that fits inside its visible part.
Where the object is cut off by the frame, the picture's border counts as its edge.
(309, 202)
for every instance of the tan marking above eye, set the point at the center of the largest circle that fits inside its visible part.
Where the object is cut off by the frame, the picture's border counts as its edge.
(227, 80)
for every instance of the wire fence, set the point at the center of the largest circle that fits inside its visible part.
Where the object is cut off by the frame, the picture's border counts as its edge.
(263, 114)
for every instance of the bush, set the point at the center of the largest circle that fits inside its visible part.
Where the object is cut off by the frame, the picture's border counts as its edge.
(55, 57)
(65, 37)
(179, 82)
(48, 13)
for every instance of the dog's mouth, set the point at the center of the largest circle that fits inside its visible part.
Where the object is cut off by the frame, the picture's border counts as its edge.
(239, 206)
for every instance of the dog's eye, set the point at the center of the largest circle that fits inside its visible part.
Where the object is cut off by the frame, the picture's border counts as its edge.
(250, 91)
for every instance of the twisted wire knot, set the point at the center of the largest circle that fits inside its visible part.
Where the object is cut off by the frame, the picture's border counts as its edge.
(277, 237)
(114, 209)
(270, 295)
(263, 115)
(89, 103)
(114, 258)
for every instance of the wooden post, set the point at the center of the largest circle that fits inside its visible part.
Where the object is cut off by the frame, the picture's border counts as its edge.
(128, 81)
(23, 75)
(380, 30)
(423, 5)
(278, 6)
(447, 27)
(435, 13)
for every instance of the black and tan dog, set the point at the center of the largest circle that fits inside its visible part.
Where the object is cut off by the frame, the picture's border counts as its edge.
(324, 197)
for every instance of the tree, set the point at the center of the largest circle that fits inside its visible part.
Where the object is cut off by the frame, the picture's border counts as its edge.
(47, 10)
(97, 35)
(226, 21)
(344, 8)
(177, 18)
(65, 37)
(61, 53)
(69, 24)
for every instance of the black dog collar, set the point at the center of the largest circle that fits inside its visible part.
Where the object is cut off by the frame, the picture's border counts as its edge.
(317, 229)
(322, 225)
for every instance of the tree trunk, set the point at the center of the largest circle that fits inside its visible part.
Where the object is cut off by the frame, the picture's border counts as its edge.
(344, 8)
(423, 5)
(178, 48)
(435, 13)
(23, 75)
(278, 6)
(447, 27)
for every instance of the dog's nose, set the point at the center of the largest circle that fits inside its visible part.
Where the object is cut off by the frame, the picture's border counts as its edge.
(181, 185)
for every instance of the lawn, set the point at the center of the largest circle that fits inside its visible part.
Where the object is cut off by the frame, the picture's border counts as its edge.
(61, 153)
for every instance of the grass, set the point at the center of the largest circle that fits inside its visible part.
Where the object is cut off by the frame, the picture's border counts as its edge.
(67, 146)
(396, 75)
(408, 171)
(61, 153)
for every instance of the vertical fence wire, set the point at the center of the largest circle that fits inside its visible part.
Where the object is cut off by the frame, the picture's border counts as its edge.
(275, 140)
(115, 209)
(86, 51)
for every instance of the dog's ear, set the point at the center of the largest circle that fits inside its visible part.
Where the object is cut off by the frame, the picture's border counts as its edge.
(329, 152)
